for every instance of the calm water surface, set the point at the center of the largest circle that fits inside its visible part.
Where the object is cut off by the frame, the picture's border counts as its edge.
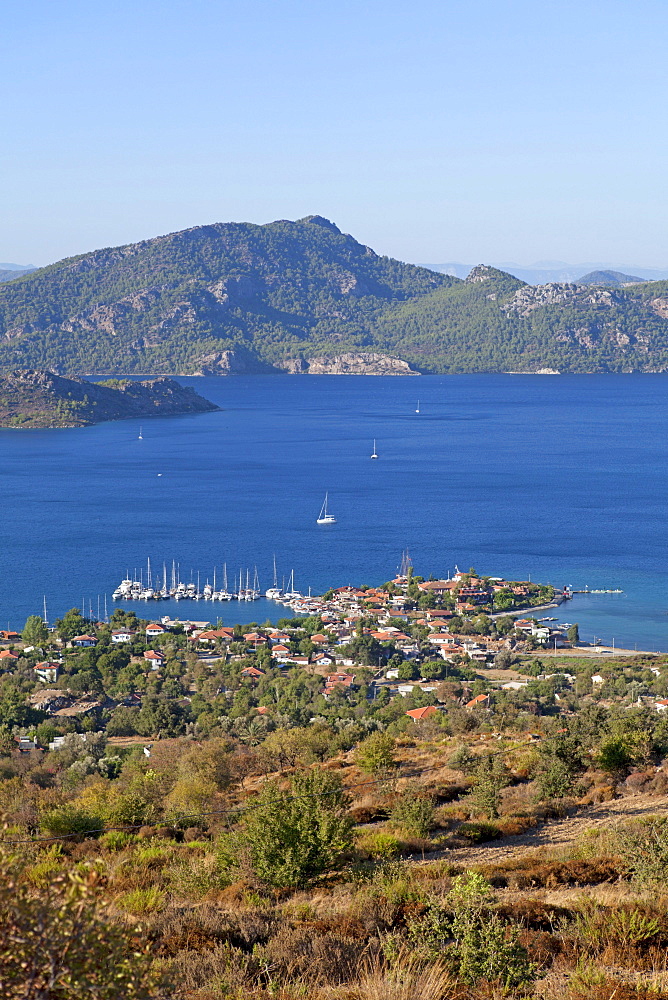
(563, 478)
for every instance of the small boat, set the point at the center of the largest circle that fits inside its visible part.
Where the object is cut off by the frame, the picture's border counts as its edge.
(325, 517)
(417, 408)
(374, 455)
(274, 593)
(141, 436)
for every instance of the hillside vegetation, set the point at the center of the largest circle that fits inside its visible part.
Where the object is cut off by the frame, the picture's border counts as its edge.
(236, 297)
(35, 399)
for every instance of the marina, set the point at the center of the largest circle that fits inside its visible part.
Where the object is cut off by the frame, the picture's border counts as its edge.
(140, 587)
(168, 585)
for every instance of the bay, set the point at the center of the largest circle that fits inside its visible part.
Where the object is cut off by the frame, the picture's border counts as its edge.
(560, 478)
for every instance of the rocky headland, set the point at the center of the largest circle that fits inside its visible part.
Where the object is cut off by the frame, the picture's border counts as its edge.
(31, 398)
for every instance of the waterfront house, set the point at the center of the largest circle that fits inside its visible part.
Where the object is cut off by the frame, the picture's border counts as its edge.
(155, 658)
(82, 641)
(154, 630)
(122, 635)
(46, 671)
(7, 635)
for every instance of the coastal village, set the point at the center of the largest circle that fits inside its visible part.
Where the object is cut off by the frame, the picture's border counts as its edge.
(466, 640)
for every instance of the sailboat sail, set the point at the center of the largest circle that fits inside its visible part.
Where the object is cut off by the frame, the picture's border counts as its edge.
(325, 517)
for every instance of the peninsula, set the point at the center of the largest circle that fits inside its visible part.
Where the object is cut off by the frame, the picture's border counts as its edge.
(32, 398)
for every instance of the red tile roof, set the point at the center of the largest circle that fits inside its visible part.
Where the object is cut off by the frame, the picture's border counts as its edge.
(422, 713)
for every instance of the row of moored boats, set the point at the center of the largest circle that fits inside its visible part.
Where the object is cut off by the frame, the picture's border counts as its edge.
(142, 587)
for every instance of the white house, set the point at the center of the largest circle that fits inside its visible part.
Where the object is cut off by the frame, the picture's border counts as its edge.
(156, 659)
(84, 640)
(152, 631)
(46, 671)
(122, 635)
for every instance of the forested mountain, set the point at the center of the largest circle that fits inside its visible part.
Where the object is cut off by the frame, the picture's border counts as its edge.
(238, 297)
(182, 302)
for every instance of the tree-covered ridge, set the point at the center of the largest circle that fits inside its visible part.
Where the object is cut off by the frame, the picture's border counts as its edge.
(165, 303)
(239, 297)
(501, 324)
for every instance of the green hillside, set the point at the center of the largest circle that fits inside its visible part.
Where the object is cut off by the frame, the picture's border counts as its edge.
(176, 302)
(238, 297)
(494, 322)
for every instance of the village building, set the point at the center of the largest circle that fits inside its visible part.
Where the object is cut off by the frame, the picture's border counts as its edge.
(122, 635)
(46, 671)
(83, 641)
(418, 714)
(155, 658)
(154, 630)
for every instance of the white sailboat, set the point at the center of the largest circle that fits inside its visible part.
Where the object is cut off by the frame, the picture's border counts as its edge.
(374, 455)
(141, 436)
(274, 593)
(325, 517)
(417, 408)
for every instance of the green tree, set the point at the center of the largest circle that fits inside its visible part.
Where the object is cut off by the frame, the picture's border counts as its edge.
(414, 811)
(375, 754)
(560, 761)
(485, 949)
(35, 632)
(573, 633)
(290, 838)
(72, 623)
(490, 777)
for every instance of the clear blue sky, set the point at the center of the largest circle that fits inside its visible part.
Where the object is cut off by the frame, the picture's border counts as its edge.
(432, 130)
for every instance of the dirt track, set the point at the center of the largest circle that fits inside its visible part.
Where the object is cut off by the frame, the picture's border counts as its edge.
(560, 833)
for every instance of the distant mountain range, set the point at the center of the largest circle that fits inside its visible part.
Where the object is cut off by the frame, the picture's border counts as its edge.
(610, 279)
(545, 271)
(303, 297)
(10, 271)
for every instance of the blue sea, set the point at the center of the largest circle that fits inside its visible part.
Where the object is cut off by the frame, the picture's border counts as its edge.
(560, 479)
